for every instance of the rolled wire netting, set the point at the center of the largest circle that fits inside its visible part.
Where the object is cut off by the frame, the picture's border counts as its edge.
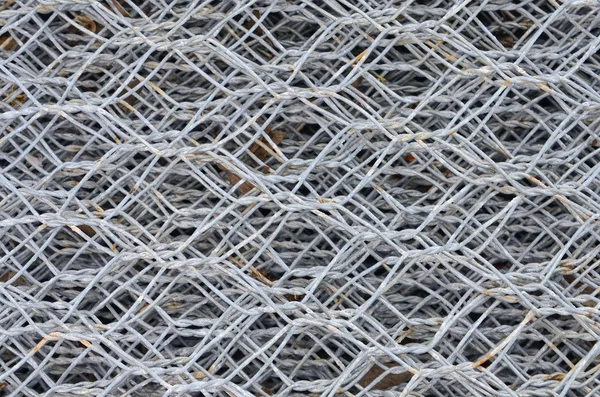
(299, 198)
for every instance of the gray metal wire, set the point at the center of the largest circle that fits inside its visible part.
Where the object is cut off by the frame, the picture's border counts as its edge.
(299, 198)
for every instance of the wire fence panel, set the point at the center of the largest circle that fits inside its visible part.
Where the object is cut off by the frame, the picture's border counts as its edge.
(299, 198)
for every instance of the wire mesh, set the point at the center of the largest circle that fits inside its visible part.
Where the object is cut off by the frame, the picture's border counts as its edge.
(299, 198)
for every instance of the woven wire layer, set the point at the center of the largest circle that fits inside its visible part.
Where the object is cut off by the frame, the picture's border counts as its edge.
(299, 198)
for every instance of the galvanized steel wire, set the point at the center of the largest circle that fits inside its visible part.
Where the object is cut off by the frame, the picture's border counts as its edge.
(299, 198)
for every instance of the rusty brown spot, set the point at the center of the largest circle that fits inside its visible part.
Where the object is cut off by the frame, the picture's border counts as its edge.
(557, 376)
(506, 15)
(8, 43)
(485, 361)
(221, 167)
(409, 158)
(545, 88)
(17, 100)
(267, 169)
(85, 22)
(87, 230)
(265, 390)
(7, 276)
(143, 308)
(254, 272)
(3, 385)
(117, 5)
(5, 4)
(198, 375)
(436, 46)
(506, 40)
(357, 82)
(131, 100)
(39, 345)
(387, 381)
(294, 297)
(260, 275)
(233, 179)
(566, 267)
(571, 280)
(533, 179)
(249, 24)
(359, 57)
(261, 148)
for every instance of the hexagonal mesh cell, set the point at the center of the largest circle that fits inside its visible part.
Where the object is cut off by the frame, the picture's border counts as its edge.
(299, 198)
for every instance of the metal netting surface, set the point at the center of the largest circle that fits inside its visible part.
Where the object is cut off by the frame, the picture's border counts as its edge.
(299, 198)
